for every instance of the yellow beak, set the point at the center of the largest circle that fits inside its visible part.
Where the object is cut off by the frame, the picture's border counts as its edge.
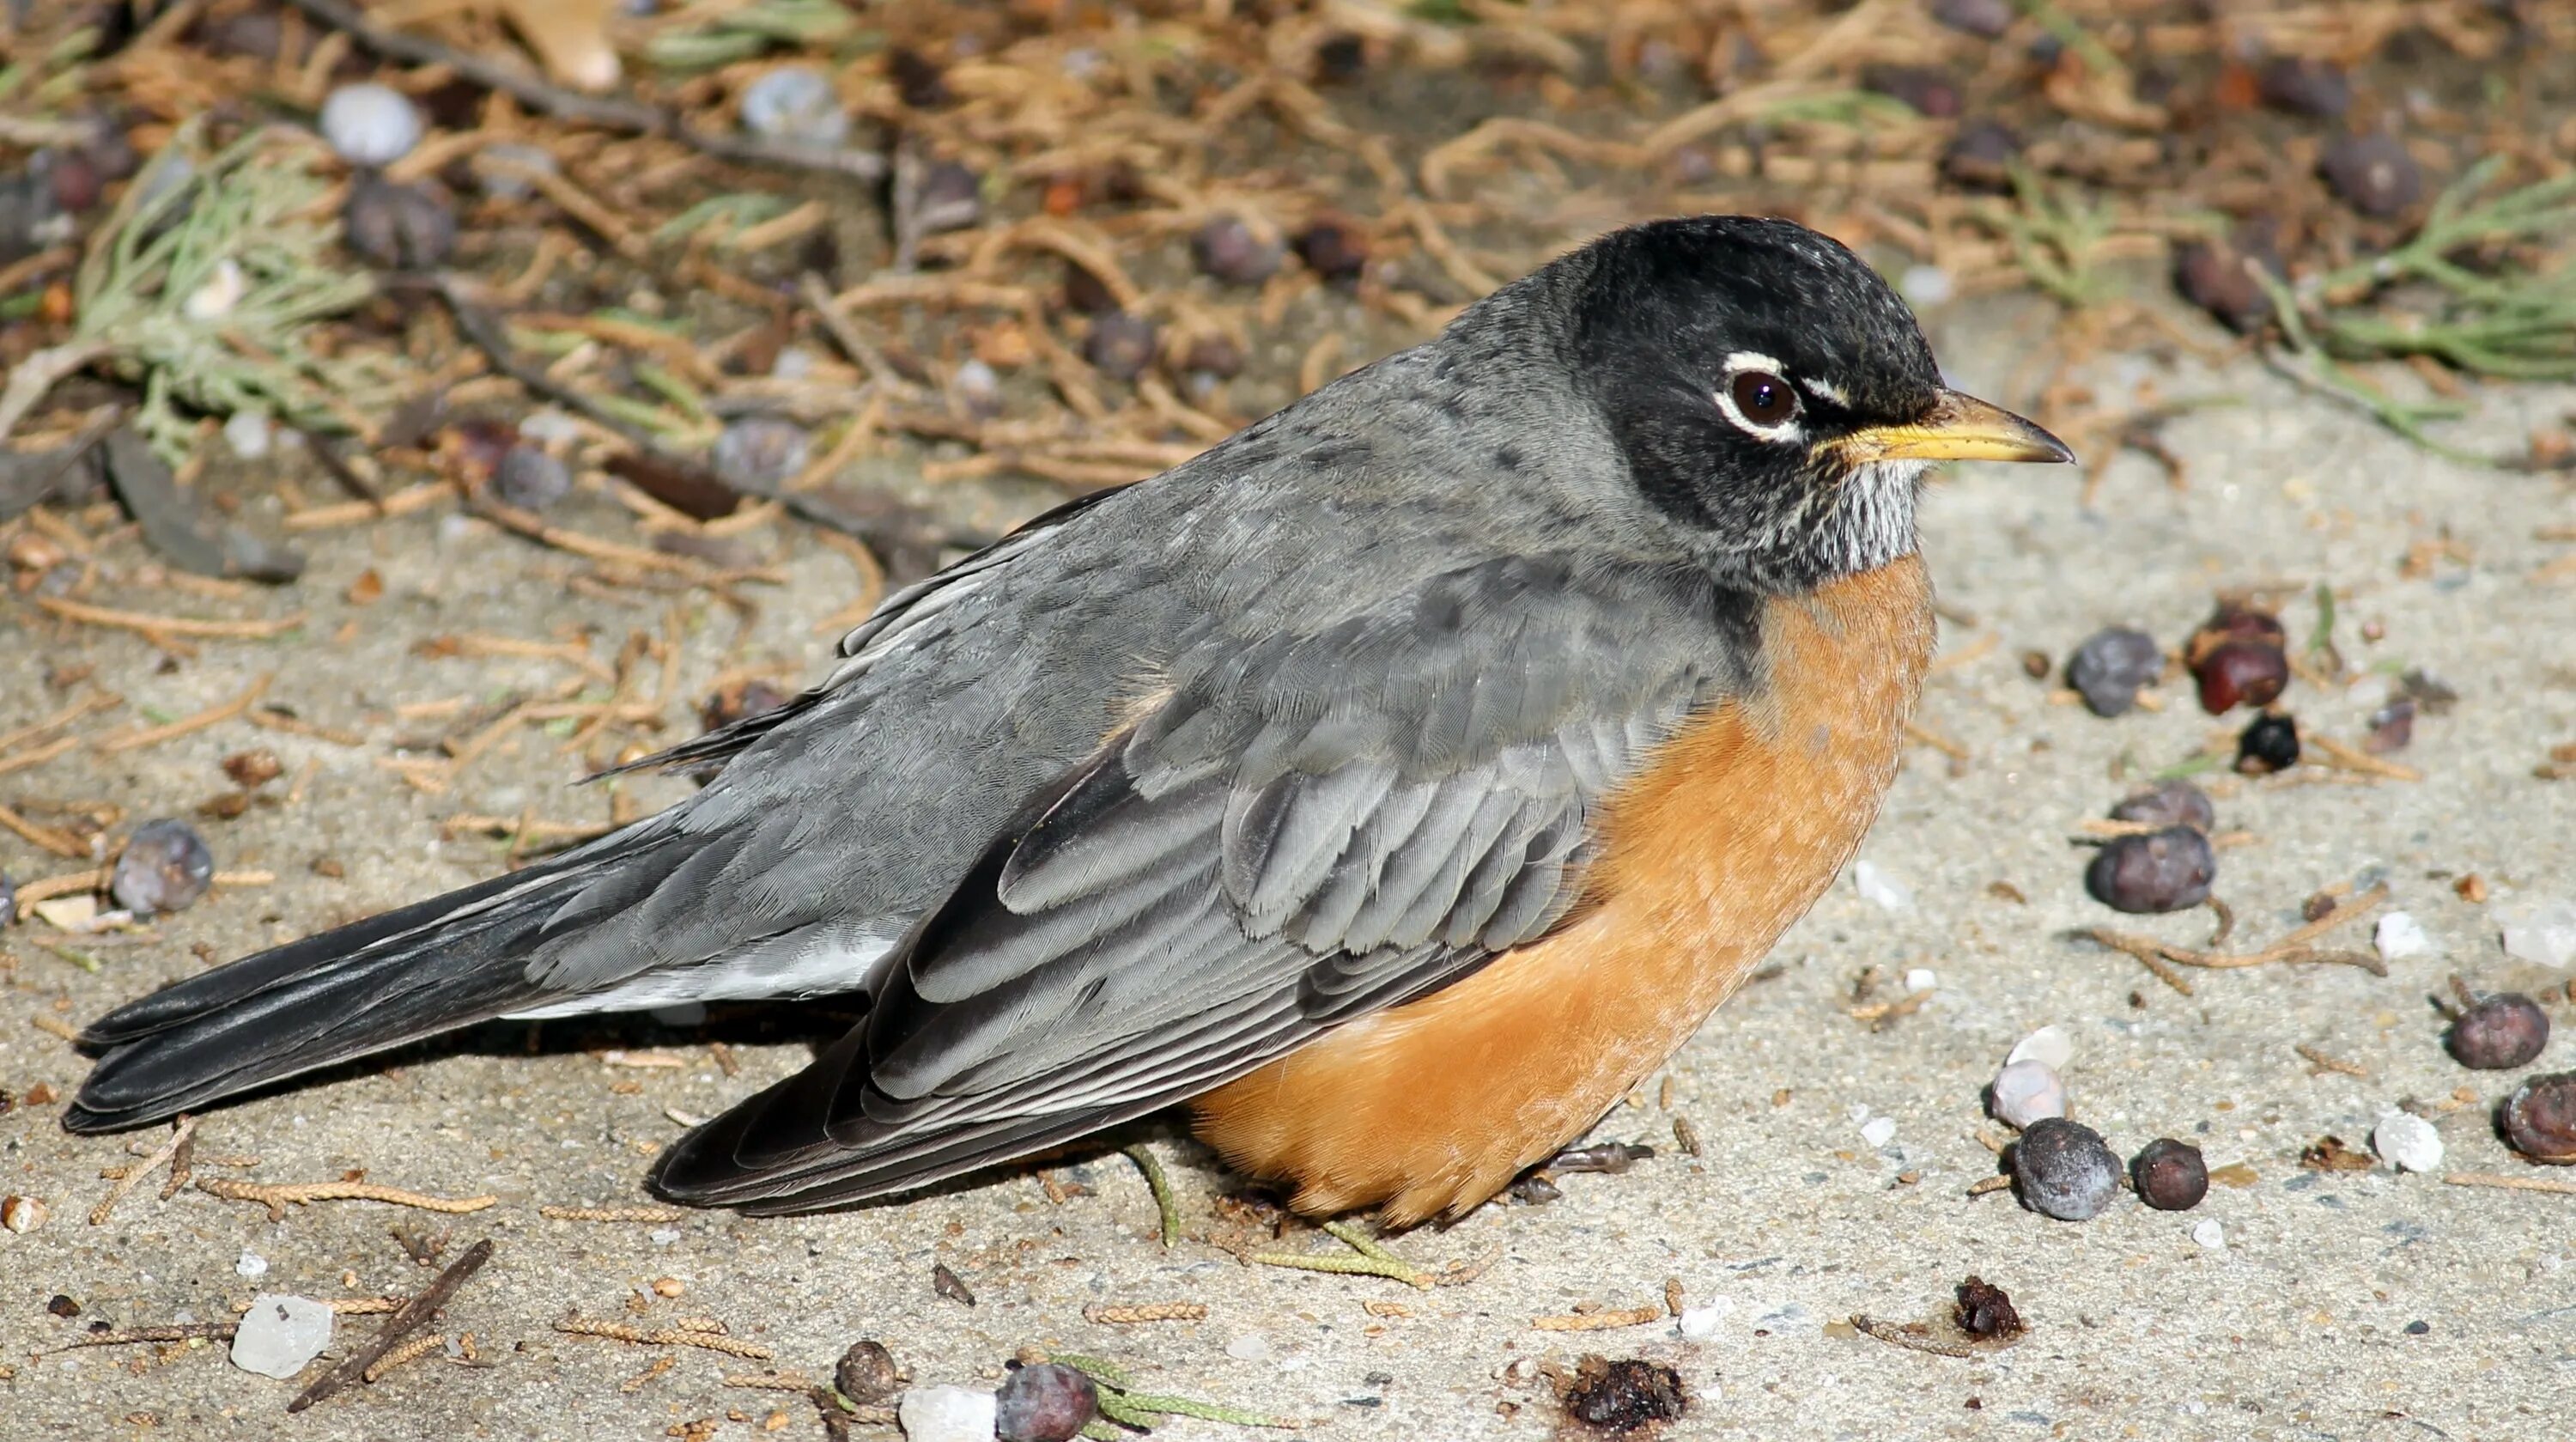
(1959, 428)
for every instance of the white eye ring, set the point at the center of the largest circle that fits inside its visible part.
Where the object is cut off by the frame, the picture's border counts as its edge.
(1785, 431)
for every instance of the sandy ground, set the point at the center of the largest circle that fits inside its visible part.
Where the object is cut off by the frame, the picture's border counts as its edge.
(2340, 1305)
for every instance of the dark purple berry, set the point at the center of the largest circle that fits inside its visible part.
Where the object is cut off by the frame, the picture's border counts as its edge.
(2499, 1033)
(1333, 249)
(918, 80)
(1986, 1310)
(2372, 173)
(2270, 744)
(2168, 803)
(1120, 346)
(1228, 250)
(1048, 1402)
(1924, 89)
(866, 1373)
(1984, 19)
(1087, 293)
(2241, 673)
(2216, 275)
(2304, 87)
(2063, 1170)
(1215, 354)
(1340, 58)
(2392, 727)
(166, 867)
(1980, 156)
(2170, 1176)
(2168, 870)
(2111, 665)
(2539, 1119)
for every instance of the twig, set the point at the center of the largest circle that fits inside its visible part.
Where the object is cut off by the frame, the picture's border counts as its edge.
(2325, 1062)
(607, 1214)
(277, 1198)
(1373, 1260)
(1140, 1313)
(2511, 1184)
(213, 715)
(412, 1350)
(1161, 1186)
(152, 625)
(181, 1332)
(415, 1314)
(2294, 948)
(168, 1151)
(1909, 1338)
(1600, 1321)
(630, 116)
(667, 1337)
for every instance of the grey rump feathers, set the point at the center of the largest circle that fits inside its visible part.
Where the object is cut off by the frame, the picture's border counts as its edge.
(1175, 779)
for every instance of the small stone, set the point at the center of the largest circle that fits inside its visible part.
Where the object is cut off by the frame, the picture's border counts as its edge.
(2168, 803)
(2539, 1119)
(1986, 1310)
(8, 914)
(2304, 87)
(1045, 1402)
(2400, 937)
(759, 453)
(1250, 1347)
(1700, 1324)
(248, 434)
(1120, 346)
(2270, 743)
(2063, 1170)
(2025, 1092)
(398, 227)
(866, 1374)
(979, 388)
(250, 1264)
(1229, 251)
(2111, 665)
(21, 1215)
(1880, 889)
(1926, 285)
(2214, 275)
(2170, 1176)
(165, 867)
(2539, 930)
(946, 1414)
(2392, 727)
(794, 103)
(370, 124)
(2168, 870)
(2372, 173)
(2210, 1234)
(501, 168)
(951, 198)
(1920, 979)
(1878, 1131)
(222, 289)
(2499, 1033)
(2407, 1142)
(530, 478)
(2050, 1046)
(280, 1334)
(792, 363)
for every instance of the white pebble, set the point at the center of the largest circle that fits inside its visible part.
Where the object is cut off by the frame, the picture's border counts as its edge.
(1880, 889)
(1921, 979)
(370, 124)
(223, 290)
(794, 362)
(251, 1264)
(2209, 1234)
(280, 1333)
(502, 168)
(1926, 284)
(2027, 1091)
(2400, 937)
(1700, 1324)
(1878, 1131)
(249, 434)
(2542, 930)
(549, 427)
(1250, 1347)
(2049, 1045)
(663, 1236)
(946, 1414)
(2407, 1142)
(796, 103)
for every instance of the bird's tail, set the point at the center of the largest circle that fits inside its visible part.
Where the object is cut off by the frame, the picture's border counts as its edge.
(411, 973)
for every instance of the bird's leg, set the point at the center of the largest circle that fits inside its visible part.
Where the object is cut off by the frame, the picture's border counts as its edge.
(1374, 1260)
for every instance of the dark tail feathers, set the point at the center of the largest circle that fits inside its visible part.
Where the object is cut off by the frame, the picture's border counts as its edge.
(431, 967)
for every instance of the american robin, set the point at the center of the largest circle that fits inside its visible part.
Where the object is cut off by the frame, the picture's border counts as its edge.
(1397, 783)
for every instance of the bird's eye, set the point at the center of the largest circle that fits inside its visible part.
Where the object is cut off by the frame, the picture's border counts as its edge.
(1762, 398)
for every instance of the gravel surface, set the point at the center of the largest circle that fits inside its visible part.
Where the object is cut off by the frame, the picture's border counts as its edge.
(2291, 1303)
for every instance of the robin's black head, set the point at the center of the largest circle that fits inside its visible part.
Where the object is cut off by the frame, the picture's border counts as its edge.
(1771, 394)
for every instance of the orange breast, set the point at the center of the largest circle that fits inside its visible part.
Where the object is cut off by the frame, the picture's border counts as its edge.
(1726, 837)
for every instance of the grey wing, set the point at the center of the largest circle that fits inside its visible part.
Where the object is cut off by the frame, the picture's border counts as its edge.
(1308, 828)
